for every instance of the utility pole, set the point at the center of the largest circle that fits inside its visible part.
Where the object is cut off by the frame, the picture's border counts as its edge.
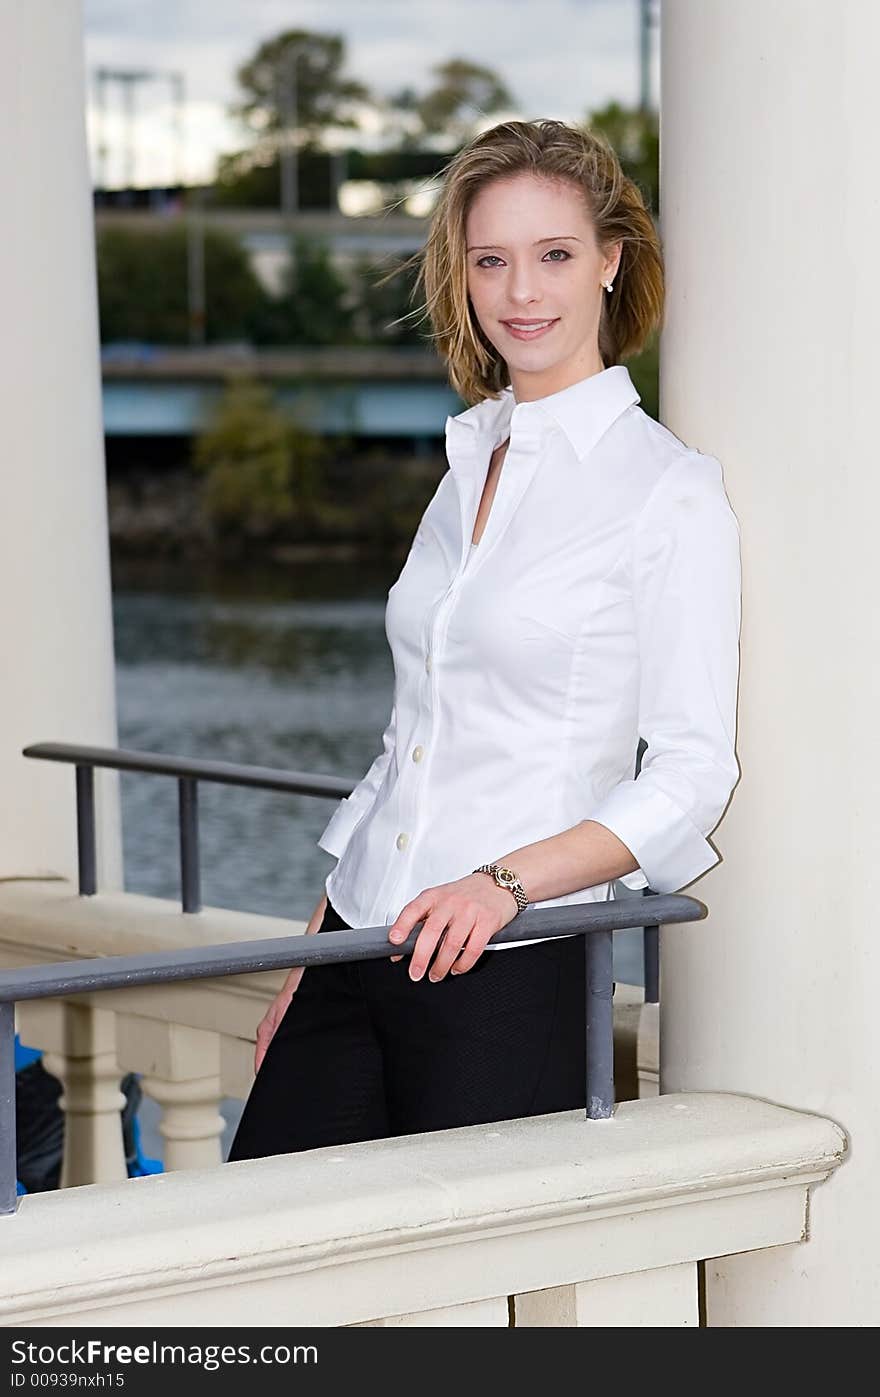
(648, 19)
(177, 82)
(338, 175)
(196, 297)
(195, 264)
(127, 79)
(287, 109)
(101, 108)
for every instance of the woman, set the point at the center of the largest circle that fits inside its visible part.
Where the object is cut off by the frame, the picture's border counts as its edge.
(574, 584)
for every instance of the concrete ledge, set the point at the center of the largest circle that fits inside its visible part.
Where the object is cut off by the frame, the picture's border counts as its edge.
(346, 1235)
(49, 917)
(46, 920)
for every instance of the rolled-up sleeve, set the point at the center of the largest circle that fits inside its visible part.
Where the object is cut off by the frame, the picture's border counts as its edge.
(687, 599)
(352, 808)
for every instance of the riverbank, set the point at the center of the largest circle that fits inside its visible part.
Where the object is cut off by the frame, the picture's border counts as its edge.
(361, 507)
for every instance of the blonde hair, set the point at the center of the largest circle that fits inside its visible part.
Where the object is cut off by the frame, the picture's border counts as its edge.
(553, 150)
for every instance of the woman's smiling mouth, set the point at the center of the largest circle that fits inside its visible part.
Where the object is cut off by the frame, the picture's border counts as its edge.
(528, 329)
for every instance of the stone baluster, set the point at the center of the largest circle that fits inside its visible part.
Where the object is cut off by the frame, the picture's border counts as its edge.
(180, 1069)
(79, 1048)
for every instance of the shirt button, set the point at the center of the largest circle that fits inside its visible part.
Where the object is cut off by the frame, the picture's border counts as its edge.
(427, 664)
(418, 753)
(402, 841)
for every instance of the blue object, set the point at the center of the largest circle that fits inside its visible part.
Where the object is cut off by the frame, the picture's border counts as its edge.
(25, 1056)
(138, 1166)
(142, 1165)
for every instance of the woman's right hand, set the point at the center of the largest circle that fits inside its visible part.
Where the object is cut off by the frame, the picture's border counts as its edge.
(279, 1006)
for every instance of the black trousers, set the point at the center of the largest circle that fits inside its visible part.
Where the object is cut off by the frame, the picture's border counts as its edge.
(364, 1052)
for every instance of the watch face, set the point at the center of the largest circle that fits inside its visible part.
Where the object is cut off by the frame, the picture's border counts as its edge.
(505, 875)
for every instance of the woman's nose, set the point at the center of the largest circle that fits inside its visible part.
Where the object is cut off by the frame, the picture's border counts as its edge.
(523, 286)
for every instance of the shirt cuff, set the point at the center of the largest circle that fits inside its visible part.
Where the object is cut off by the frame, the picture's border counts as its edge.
(635, 880)
(341, 825)
(670, 849)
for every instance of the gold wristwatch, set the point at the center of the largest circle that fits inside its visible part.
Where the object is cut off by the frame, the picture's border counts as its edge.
(506, 878)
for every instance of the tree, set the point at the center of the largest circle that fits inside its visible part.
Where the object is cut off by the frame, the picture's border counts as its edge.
(142, 287)
(324, 96)
(306, 70)
(462, 94)
(315, 304)
(262, 472)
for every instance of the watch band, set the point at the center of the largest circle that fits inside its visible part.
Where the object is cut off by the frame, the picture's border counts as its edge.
(506, 878)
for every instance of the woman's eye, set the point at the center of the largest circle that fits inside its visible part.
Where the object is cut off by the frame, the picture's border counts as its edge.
(565, 256)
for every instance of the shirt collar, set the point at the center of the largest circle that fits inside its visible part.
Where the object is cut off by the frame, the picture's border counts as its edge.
(584, 411)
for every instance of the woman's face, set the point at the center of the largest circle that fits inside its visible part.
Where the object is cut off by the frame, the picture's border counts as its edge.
(531, 259)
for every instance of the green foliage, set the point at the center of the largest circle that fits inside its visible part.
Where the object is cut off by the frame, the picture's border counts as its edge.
(251, 179)
(261, 471)
(266, 477)
(635, 136)
(143, 294)
(142, 287)
(315, 305)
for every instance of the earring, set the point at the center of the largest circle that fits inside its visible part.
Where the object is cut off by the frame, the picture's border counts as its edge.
(609, 285)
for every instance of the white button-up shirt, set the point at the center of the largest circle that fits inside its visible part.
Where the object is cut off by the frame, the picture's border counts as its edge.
(601, 604)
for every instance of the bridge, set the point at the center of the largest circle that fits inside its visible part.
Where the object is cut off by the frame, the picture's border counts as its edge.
(357, 391)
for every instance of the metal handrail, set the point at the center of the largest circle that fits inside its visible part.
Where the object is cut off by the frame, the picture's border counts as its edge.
(596, 921)
(161, 764)
(189, 771)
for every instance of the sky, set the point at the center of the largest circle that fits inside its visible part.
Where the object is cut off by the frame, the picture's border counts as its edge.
(560, 58)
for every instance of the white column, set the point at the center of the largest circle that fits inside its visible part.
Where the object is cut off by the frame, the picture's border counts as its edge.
(769, 210)
(55, 617)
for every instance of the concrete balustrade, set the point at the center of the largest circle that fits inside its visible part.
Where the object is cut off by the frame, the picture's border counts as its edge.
(581, 1222)
(553, 1221)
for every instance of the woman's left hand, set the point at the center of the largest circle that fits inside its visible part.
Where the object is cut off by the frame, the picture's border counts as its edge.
(465, 914)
